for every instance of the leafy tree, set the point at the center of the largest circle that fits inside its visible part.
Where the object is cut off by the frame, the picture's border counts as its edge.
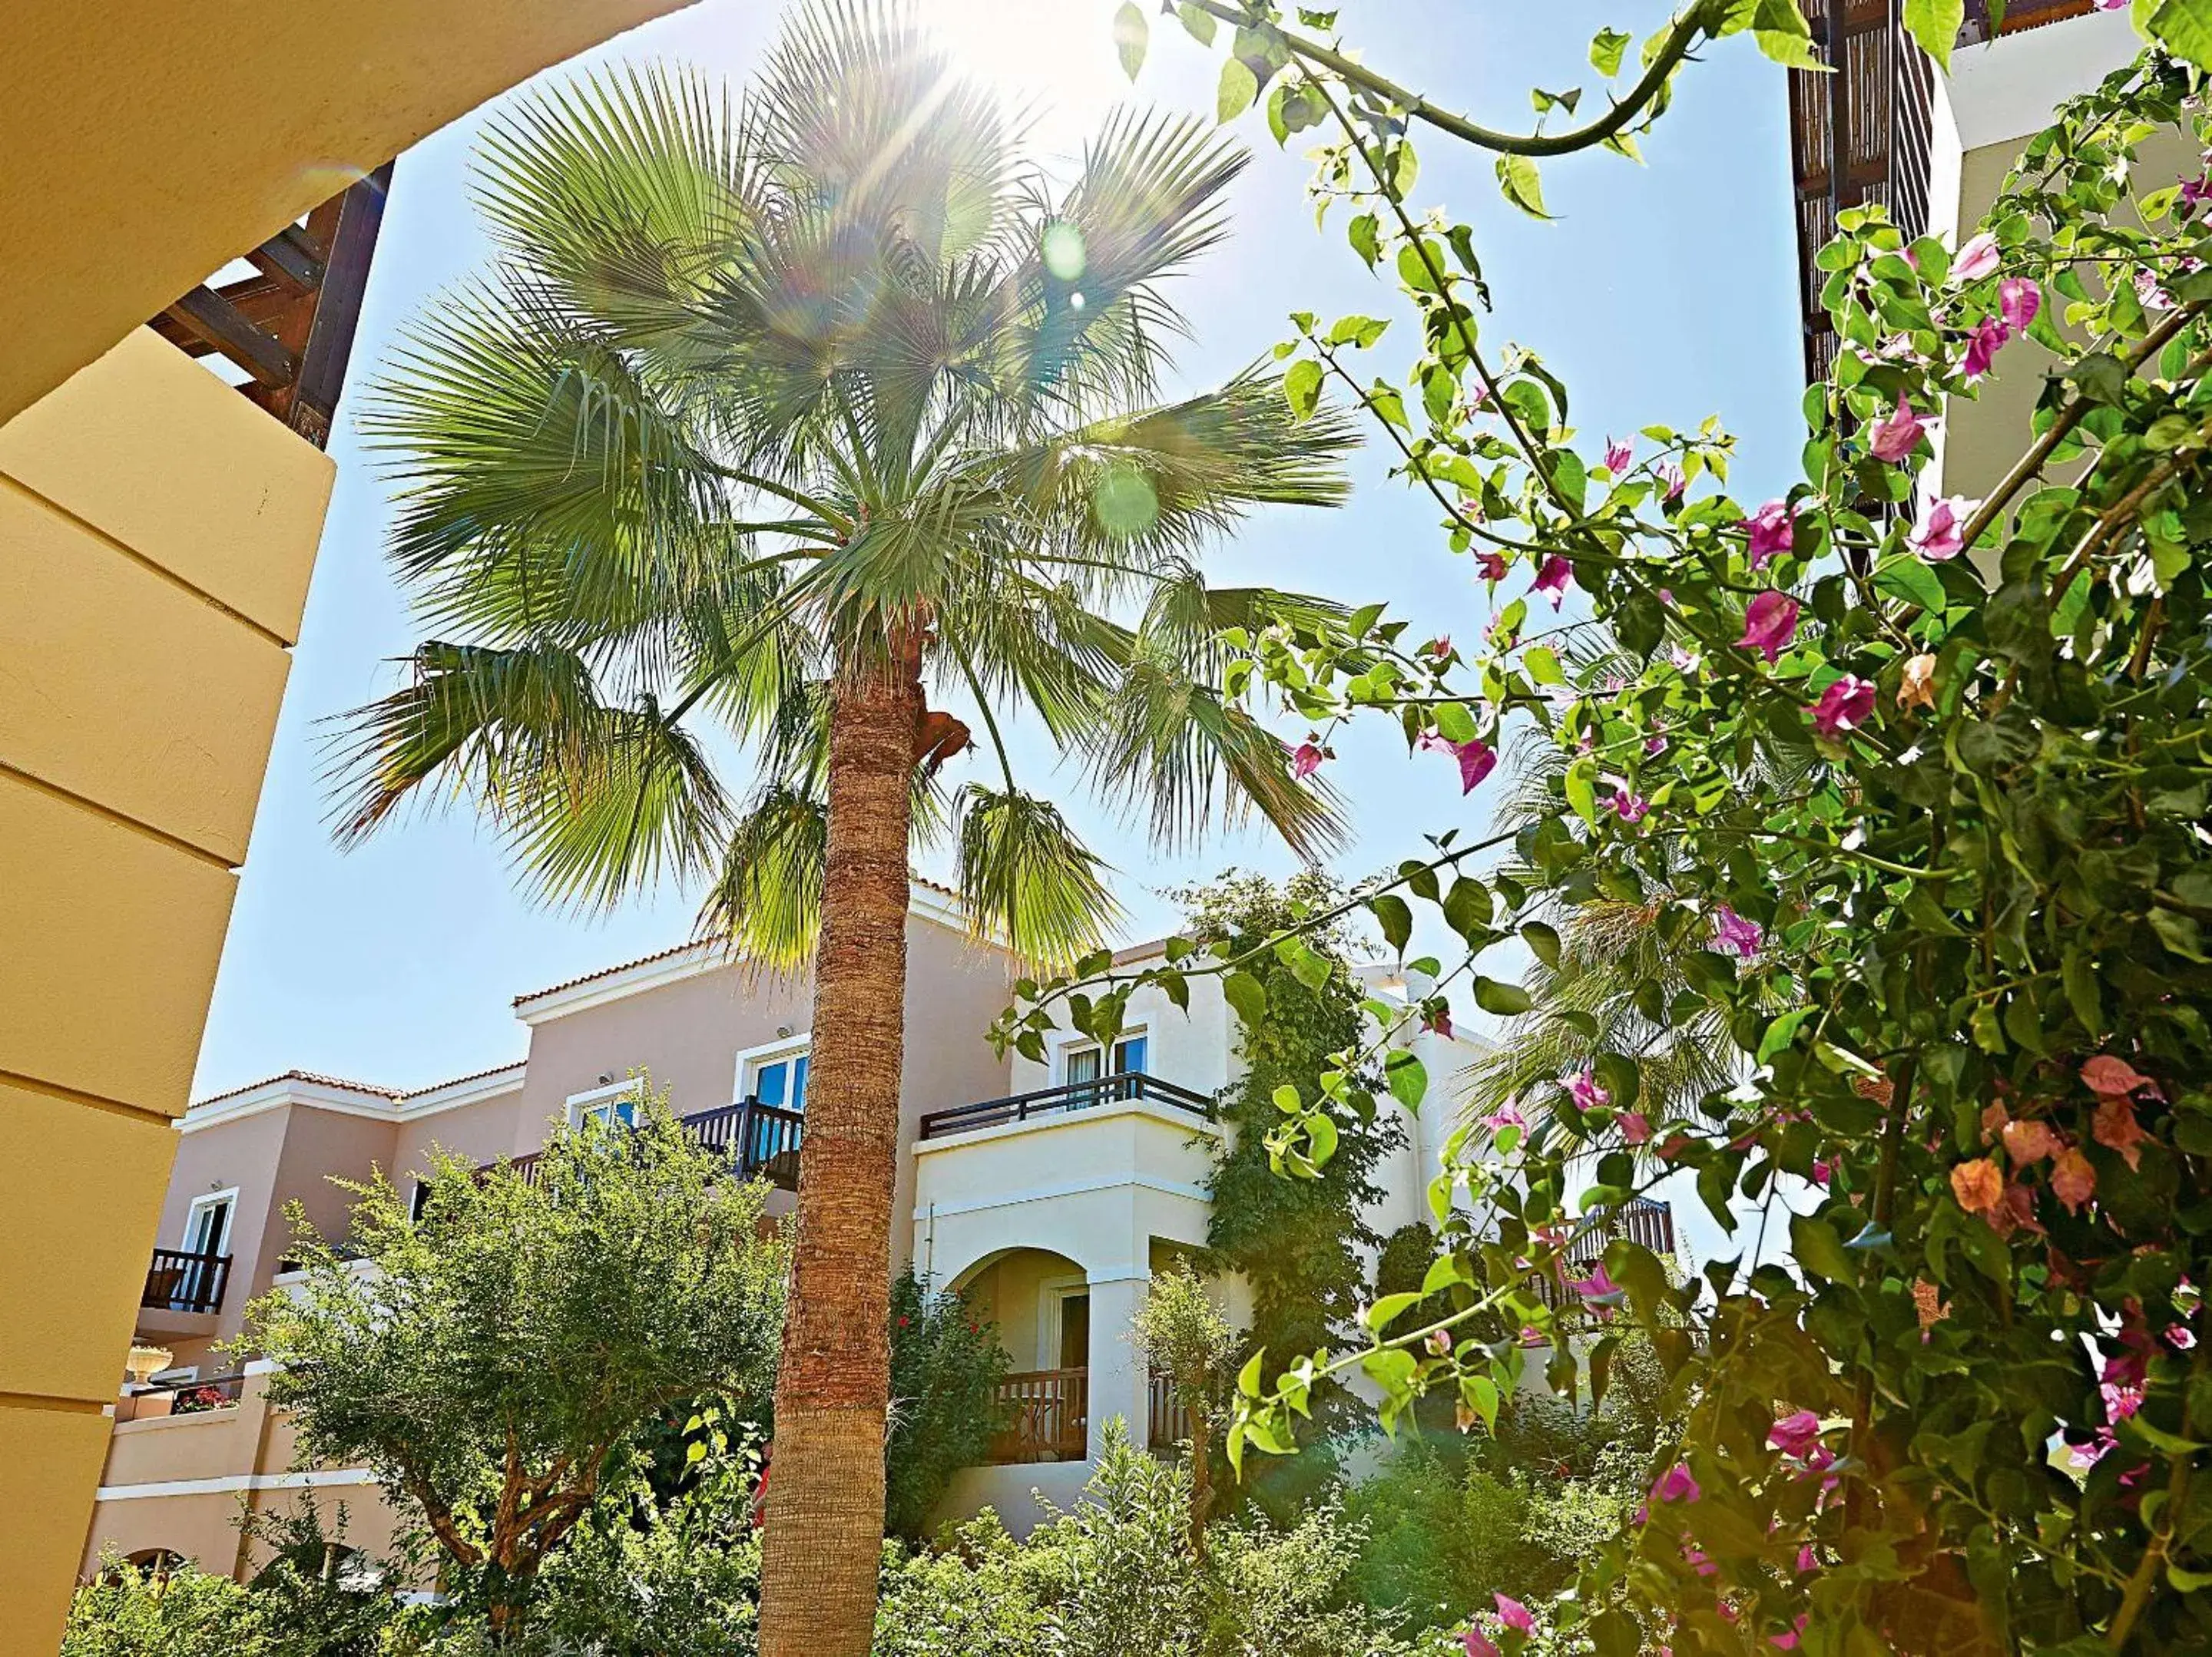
(1297, 1243)
(781, 434)
(1183, 1336)
(1980, 898)
(491, 1361)
(946, 1365)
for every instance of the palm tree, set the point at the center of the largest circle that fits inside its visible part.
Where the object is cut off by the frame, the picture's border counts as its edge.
(773, 426)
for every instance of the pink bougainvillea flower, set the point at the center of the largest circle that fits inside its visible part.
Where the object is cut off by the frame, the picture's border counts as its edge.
(1733, 932)
(1307, 759)
(1477, 760)
(1478, 1644)
(2115, 1127)
(1699, 1561)
(1843, 705)
(1822, 1172)
(1788, 1642)
(2029, 1142)
(1896, 435)
(1631, 807)
(1512, 1614)
(1599, 1288)
(1671, 480)
(1490, 564)
(1768, 532)
(1635, 1128)
(1769, 624)
(1807, 1560)
(1677, 1483)
(2112, 1079)
(1619, 455)
(1978, 1185)
(2198, 191)
(2153, 297)
(1506, 1115)
(1584, 1090)
(1796, 1433)
(1532, 1336)
(1983, 346)
(1976, 259)
(1554, 577)
(1437, 1022)
(2181, 1337)
(2018, 301)
(1440, 1343)
(1940, 535)
(2073, 1180)
(1440, 649)
(1684, 661)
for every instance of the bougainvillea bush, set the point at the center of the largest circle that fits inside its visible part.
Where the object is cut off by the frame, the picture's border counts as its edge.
(1930, 773)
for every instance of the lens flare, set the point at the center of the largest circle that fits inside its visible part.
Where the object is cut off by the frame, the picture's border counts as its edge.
(1064, 254)
(1124, 502)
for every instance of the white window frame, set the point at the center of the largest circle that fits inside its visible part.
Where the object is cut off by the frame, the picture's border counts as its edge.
(580, 1105)
(191, 1220)
(1074, 1044)
(750, 1060)
(1052, 1292)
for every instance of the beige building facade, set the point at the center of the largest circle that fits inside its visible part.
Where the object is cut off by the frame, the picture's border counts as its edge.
(1049, 1193)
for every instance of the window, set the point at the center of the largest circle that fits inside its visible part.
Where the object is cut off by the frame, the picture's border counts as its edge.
(782, 1083)
(207, 1226)
(417, 1199)
(1083, 1065)
(617, 1102)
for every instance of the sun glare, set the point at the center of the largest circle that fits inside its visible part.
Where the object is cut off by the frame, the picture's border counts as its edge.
(1052, 60)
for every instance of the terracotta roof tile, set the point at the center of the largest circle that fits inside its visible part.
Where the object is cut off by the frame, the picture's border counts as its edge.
(300, 1076)
(456, 1081)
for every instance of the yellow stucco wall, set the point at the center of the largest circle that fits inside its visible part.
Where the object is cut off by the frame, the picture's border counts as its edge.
(139, 150)
(156, 533)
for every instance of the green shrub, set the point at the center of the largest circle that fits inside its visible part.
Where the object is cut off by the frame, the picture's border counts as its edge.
(946, 1365)
(128, 1612)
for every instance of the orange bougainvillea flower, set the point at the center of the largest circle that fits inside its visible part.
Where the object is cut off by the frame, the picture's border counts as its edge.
(2029, 1142)
(1978, 1185)
(2073, 1180)
(2112, 1079)
(2116, 1129)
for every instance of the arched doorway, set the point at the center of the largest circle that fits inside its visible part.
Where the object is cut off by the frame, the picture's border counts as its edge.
(1039, 1301)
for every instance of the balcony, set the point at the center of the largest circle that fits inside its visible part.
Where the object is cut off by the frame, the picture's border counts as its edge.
(1047, 1416)
(766, 1137)
(1123, 1087)
(186, 1283)
(1640, 1220)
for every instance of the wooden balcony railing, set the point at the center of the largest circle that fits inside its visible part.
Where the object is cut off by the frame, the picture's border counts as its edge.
(766, 1136)
(1121, 1087)
(178, 1281)
(1169, 1418)
(1047, 1414)
(1640, 1221)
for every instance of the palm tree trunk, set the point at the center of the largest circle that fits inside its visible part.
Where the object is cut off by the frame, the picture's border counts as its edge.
(825, 1496)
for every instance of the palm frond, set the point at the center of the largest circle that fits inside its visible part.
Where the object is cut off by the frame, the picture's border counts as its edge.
(765, 903)
(1024, 876)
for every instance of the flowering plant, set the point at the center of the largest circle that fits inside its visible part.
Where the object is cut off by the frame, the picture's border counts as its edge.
(1934, 779)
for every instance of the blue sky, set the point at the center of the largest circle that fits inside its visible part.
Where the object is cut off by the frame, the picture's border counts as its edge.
(1661, 293)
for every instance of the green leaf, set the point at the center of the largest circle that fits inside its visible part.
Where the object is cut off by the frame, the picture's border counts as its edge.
(1905, 575)
(1782, 1032)
(2186, 26)
(1197, 21)
(1409, 1078)
(1378, 1316)
(1543, 665)
(1131, 34)
(1395, 917)
(1363, 233)
(1543, 941)
(1482, 1397)
(1302, 387)
(1466, 909)
(1605, 49)
(1456, 724)
(1516, 177)
(1935, 24)
(1238, 88)
(1247, 996)
(1506, 1001)
(1820, 1251)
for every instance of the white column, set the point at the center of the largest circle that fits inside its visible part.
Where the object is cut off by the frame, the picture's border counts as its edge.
(1118, 1373)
